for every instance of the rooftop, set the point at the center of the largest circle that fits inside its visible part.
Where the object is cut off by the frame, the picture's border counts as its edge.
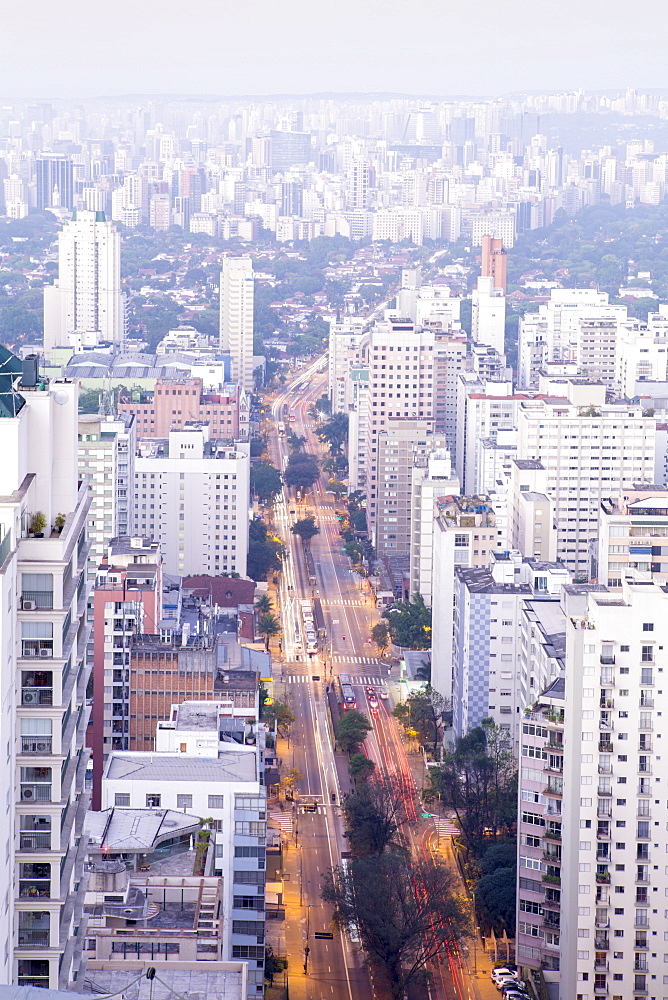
(231, 765)
(196, 980)
(128, 830)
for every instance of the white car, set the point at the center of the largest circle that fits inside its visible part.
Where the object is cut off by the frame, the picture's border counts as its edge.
(502, 976)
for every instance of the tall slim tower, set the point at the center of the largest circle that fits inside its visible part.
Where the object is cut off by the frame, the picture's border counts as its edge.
(86, 306)
(494, 262)
(236, 317)
(54, 173)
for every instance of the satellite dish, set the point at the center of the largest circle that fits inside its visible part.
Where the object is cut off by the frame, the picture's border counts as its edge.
(61, 397)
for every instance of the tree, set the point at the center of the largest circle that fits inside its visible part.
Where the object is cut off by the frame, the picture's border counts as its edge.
(351, 731)
(380, 634)
(407, 911)
(263, 557)
(89, 402)
(289, 780)
(279, 713)
(479, 781)
(264, 604)
(423, 711)
(495, 900)
(272, 964)
(306, 529)
(265, 481)
(410, 623)
(302, 470)
(323, 405)
(336, 487)
(296, 441)
(360, 767)
(268, 625)
(374, 813)
(335, 432)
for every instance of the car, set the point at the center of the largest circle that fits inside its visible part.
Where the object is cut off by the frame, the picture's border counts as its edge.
(373, 701)
(384, 694)
(370, 689)
(507, 979)
(504, 970)
(513, 994)
(513, 989)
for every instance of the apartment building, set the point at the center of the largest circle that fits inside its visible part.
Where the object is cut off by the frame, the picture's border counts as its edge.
(227, 789)
(358, 415)
(127, 600)
(401, 397)
(400, 446)
(237, 293)
(44, 675)
(107, 456)
(589, 450)
(347, 347)
(483, 408)
(592, 823)
(173, 403)
(192, 493)
(433, 481)
(631, 530)
(488, 317)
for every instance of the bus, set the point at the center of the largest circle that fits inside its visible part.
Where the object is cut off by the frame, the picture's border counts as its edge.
(319, 619)
(346, 693)
(309, 627)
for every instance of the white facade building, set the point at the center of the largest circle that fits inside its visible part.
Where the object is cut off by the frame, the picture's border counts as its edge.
(433, 479)
(85, 306)
(107, 456)
(237, 288)
(488, 316)
(193, 497)
(347, 347)
(226, 788)
(43, 678)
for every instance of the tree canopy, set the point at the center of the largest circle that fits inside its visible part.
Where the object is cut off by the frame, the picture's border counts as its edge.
(409, 623)
(351, 731)
(302, 470)
(265, 481)
(306, 529)
(374, 813)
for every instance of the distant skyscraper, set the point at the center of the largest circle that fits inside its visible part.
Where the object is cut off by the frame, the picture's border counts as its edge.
(358, 184)
(289, 149)
(54, 173)
(236, 317)
(86, 306)
(494, 262)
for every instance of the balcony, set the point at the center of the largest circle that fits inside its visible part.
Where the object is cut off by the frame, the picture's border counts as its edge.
(37, 696)
(37, 600)
(35, 889)
(36, 793)
(34, 939)
(604, 790)
(605, 746)
(34, 841)
(646, 701)
(552, 834)
(551, 858)
(603, 878)
(37, 649)
(36, 744)
(552, 879)
(607, 659)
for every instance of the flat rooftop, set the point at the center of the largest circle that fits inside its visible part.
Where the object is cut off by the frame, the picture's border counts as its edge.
(129, 830)
(225, 982)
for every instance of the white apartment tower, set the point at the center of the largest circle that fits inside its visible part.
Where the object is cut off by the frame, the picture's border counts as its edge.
(593, 835)
(85, 306)
(192, 496)
(237, 287)
(43, 678)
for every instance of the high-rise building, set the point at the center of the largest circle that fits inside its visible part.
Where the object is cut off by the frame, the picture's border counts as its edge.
(127, 601)
(174, 402)
(433, 481)
(54, 179)
(107, 457)
(488, 315)
(43, 677)
(193, 496)
(631, 529)
(289, 149)
(494, 262)
(358, 184)
(592, 822)
(85, 306)
(236, 318)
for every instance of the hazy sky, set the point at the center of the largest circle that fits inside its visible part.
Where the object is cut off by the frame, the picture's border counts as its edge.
(75, 48)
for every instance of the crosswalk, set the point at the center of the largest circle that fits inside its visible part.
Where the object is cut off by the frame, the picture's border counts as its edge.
(345, 603)
(355, 659)
(305, 678)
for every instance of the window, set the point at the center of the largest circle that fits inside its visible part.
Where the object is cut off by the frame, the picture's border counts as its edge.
(249, 802)
(216, 801)
(254, 927)
(251, 852)
(245, 828)
(122, 799)
(648, 627)
(153, 801)
(184, 801)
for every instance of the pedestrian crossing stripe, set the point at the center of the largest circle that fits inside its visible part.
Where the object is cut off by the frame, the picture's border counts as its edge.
(345, 603)
(355, 659)
(305, 678)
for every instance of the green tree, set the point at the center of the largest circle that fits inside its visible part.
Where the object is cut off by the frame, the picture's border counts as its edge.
(265, 481)
(360, 767)
(336, 487)
(302, 470)
(380, 634)
(374, 813)
(306, 529)
(290, 780)
(495, 900)
(296, 441)
(423, 711)
(264, 604)
(478, 780)
(268, 625)
(280, 713)
(335, 432)
(352, 730)
(407, 910)
(410, 623)
(89, 401)
(323, 405)
(272, 964)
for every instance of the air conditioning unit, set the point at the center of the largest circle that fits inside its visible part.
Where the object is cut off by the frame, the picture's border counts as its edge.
(29, 698)
(45, 652)
(41, 747)
(27, 793)
(29, 605)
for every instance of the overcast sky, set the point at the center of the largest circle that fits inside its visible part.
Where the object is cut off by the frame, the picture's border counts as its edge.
(74, 49)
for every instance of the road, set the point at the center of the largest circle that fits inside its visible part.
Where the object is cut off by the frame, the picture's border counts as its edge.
(335, 967)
